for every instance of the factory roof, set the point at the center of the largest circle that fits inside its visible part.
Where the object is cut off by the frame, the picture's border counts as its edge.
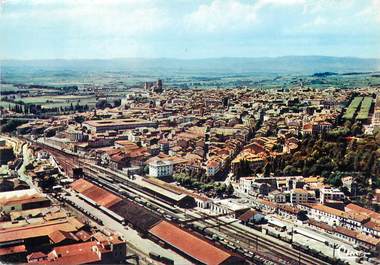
(70, 224)
(95, 193)
(190, 244)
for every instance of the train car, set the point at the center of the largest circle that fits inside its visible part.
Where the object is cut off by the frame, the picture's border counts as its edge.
(208, 237)
(232, 247)
(166, 260)
(200, 227)
(277, 225)
(240, 251)
(154, 255)
(125, 190)
(88, 200)
(300, 247)
(113, 215)
(106, 178)
(207, 231)
(57, 188)
(160, 258)
(248, 255)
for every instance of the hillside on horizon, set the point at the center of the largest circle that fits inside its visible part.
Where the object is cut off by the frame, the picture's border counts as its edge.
(227, 65)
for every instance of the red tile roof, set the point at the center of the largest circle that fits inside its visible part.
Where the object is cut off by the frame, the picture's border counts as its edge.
(36, 255)
(12, 250)
(353, 215)
(70, 224)
(356, 208)
(81, 253)
(189, 244)
(83, 235)
(373, 225)
(95, 193)
(368, 239)
(247, 215)
(59, 236)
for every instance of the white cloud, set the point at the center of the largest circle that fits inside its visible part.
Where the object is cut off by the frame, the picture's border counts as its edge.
(222, 15)
(111, 17)
(315, 23)
(263, 3)
(338, 17)
(372, 11)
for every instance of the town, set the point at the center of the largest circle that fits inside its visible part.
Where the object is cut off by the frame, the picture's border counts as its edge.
(163, 175)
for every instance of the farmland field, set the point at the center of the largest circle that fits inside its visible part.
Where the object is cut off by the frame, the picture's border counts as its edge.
(60, 101)
(352, 108)
(364, 109)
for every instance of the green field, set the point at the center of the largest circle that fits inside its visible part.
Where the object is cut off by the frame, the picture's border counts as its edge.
(60, 101)
(352, 108)
(5, 104)
(364, 109)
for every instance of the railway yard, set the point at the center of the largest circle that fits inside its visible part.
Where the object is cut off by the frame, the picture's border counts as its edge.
(224, 232)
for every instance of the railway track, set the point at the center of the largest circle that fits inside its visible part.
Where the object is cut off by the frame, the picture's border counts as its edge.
(287, 253)
(157, 202)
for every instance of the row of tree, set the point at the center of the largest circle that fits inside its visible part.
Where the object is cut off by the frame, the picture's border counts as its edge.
(212, 187)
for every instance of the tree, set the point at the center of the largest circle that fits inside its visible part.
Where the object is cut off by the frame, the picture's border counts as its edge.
(220, 189)
(267, 170)
(230, 190)
(11, 125)
(79, 119)
(302, 216)
(117, 102)
(146, 170)
(290, 170)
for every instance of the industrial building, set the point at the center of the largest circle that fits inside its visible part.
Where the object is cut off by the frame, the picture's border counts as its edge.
(98, 126)
(193, 247)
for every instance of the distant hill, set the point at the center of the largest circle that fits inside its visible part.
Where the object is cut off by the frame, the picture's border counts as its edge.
(168, 66)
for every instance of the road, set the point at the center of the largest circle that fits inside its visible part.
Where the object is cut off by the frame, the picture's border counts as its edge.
(27, 158)
(135, 242)
(282, 251)
(14, 142)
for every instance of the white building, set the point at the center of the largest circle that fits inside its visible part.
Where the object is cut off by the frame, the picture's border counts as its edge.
(202, 201)
(245, 184)
(335, 217)
(330, 194)
(160, 168)
(277, 196)
(230, 207)
(298, 196)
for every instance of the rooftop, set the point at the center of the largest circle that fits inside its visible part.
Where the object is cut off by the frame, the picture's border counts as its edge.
(70, 224)
(188, 243)
(95, 193)
(348, 215)
(113, 122)
(12, 250)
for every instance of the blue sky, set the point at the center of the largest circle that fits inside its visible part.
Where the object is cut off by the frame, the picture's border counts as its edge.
(45, 29)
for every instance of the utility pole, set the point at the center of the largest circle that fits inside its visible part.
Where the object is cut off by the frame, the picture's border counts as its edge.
(334, 246)
(292, 234)
(257, 243)
(299, 257)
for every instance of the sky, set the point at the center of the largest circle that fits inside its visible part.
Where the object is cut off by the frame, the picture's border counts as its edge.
(73, 29)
